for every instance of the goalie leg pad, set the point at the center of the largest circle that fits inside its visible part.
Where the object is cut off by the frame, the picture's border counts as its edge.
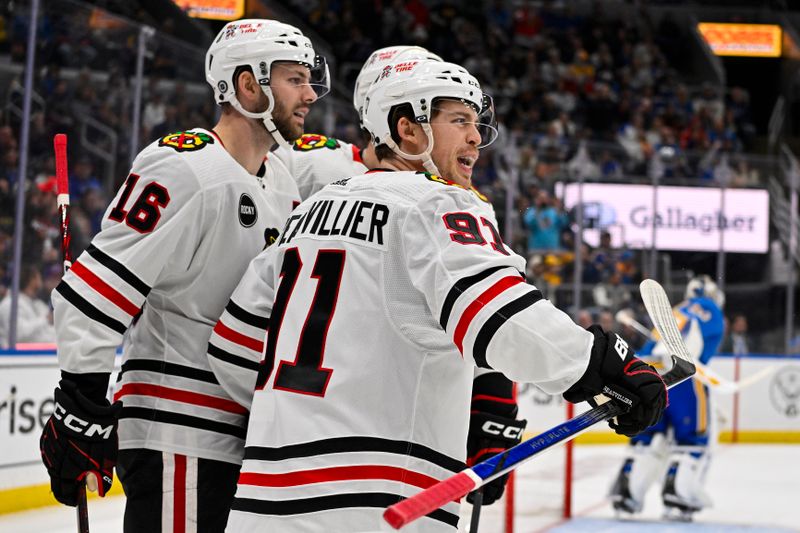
(640, 470)
(683, 483)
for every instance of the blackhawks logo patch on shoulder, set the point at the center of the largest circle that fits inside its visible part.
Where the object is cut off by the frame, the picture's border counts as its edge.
(314, 141)
(186, 141)
(439, 179)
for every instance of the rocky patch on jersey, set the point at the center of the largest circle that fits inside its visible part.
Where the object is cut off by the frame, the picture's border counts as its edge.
(186, 141)
(313, 141)
(439, 179)
(247, 211)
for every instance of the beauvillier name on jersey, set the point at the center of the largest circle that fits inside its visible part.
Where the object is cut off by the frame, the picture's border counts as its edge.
(316, 160)
(403, 279)
(173, 245)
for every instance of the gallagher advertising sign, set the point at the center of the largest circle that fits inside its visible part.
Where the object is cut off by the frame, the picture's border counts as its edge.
(749, 40)
(687, 218)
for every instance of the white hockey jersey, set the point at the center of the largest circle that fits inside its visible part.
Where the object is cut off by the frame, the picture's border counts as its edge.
(382, 294)
(316, 160)
(173, 245)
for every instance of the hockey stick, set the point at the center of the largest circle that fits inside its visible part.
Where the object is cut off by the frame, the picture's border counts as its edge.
(704, 373)
(477, 504)
(62, 187)
(458, 485)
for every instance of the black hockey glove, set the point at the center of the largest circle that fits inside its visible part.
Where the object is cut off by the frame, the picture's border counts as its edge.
(630, 380)
(488, 436)
(492, 427)
(80, 437)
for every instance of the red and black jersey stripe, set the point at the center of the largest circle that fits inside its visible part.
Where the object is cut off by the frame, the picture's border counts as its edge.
(247, 317)
(232, 359)
(496, 321)
(170, 369)
(334, 501)
(119, 269)
(196, 422)
(353, 444)
(88, 309)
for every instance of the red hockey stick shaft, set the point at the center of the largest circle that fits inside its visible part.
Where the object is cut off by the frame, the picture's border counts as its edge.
(62, 188)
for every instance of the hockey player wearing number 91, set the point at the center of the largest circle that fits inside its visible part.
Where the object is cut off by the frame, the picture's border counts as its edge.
(382, 294)
(315, 161)
(197, 206)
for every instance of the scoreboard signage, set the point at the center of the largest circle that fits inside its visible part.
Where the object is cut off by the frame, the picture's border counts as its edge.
(213, 9)
(748, 40)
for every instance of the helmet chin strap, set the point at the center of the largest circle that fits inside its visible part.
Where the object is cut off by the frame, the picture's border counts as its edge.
(265, 117)
(425, 156)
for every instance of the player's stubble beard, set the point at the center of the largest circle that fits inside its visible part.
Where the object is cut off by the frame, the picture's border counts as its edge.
(282, 118)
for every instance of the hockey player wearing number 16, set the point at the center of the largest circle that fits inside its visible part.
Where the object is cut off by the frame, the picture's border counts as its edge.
(197, 206)
(383, 293)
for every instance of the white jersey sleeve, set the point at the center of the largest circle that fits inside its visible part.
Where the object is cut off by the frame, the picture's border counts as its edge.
(157, 214)
(236, 346)
(316, 160)
(473, 284)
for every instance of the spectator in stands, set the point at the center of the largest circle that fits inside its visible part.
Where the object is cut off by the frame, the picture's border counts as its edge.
(83, 177)
(584, 318)
(738, 342)
(34, 318)
(544, 222)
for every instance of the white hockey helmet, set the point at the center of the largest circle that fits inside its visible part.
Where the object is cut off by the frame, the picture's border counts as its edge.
(703, 285)
(420, 83)
(258, 43)
(379, 59)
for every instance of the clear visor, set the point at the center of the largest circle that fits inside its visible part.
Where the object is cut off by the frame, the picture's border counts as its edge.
(316, 77)
(463, 115)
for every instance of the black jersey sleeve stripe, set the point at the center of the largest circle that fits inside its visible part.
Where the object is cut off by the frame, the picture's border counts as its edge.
(235, 360)
(179, 419)
(459, 288)
(333, 501)
(498, 318)
(172, 369)
(260, 322)
(88, 309)
(353, 444)
(119, 269)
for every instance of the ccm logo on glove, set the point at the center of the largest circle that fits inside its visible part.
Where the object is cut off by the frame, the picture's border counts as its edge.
(80, 426)
(494, 428)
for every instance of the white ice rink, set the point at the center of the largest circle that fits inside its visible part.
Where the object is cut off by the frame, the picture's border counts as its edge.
(755, 488)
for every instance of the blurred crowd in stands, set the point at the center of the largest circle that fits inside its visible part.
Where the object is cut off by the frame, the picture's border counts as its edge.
(586, 95)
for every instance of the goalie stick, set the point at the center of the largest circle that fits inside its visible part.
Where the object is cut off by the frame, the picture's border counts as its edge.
(704, 373)
(62, 188)
(458, 485)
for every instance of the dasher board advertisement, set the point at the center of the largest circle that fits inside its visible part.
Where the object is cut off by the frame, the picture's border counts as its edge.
(687, 218)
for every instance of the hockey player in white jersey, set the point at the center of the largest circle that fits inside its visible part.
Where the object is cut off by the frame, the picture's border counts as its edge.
(315, 160)
(381, 295)
(197, 206)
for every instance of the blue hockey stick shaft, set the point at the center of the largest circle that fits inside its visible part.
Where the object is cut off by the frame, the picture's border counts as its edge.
(459, 485)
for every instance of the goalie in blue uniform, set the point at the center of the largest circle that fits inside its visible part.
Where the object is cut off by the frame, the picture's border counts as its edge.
(676, 449)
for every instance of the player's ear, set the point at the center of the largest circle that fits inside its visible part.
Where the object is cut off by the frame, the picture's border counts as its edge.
(247, 88)
(412, 135)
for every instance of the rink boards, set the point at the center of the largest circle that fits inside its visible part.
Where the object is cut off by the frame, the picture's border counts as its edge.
(767, 411)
